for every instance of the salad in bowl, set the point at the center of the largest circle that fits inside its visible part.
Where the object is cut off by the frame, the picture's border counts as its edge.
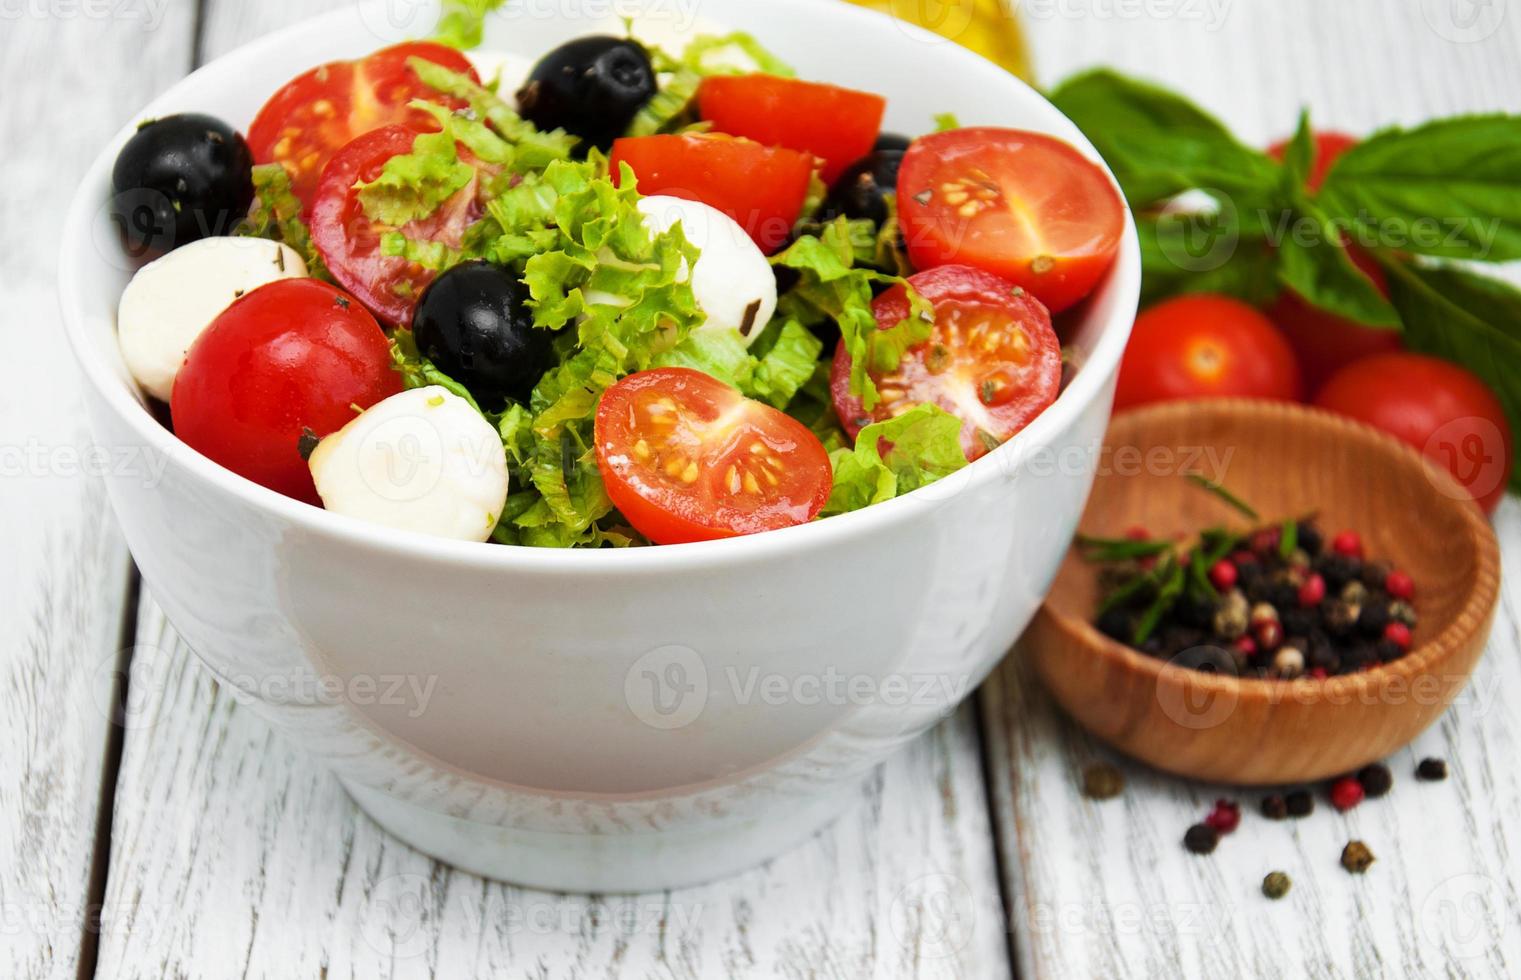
(636, 296)
(419, 342)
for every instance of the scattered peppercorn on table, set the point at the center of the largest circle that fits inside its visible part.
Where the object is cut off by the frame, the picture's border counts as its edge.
(1004, 843)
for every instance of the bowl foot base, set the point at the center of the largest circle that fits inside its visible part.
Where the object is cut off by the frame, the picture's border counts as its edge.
(572, 862)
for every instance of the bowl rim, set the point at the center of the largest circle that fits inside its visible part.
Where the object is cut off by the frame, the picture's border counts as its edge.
(1100, 364)
(1421, 661)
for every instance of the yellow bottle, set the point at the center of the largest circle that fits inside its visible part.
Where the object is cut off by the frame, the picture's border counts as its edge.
(987, 27)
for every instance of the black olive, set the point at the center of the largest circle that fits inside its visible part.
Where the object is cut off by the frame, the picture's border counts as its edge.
(180, 179)
(858, 192)
(474, 324)
(892, 141)
(591, 87)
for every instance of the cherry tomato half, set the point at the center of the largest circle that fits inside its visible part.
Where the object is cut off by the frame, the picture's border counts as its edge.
(1204, 346)
(761, 187)
(836, 125)
(1441, 409)
(687, 458)
(1020, 205)
(993, 360)
(1324, 342)
(349, 241)
(317, 113)
(292, 355)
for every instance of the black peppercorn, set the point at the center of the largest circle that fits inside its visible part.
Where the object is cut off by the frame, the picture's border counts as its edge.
(1117, 624)
(1250, 579)
(1375, 572)
(1297, 621)
(1388, 650)
(1337, 570)
(1310, 538)
(1274, 807)
(1358, 656)
(1195, 612)
(1201, 838)
(1375, 779)
(1374, 618)
(1300, 803)
(1431, 770)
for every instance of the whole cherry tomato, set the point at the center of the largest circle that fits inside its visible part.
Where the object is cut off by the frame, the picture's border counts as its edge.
(1439, 408)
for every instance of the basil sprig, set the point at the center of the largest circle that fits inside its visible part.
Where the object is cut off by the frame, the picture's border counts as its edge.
(1215, 215)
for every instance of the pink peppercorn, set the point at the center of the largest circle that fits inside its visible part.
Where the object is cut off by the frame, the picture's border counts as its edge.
(1138, 533)
(1399, 634)
(1224, 818)
(1400, 585)
(1269, 635)
(1223, 576)
(1319, 673)
(1246, 645)
(1348, 543)
(1346, 793)
(1312, 591)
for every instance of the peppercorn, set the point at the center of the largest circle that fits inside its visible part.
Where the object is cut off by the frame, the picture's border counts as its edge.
(1102, 781)
(1346, 793)
(1400, 585)
(1402, 612)
(1269, 635)
(1263, 612)
(1310, 538)
(1312, 591)
(1299, 561)
(1246, 646)
(1276, 885)
(1338, 570)
(1274, 807)
(1319, 673)
(1376, 573)
(1376, 779)
(1298, 622)
(1348, 543)
(1288, 663)
(1230, 618)
(1265, 541)
(1117, 624)
(1359, 656)
(1283, 592)
(1431, 770)
(1354, 593)
(1398, 634)
(1374, 617)
(1194, 611)
(1201, 838)
(1387, 650)
(1225, 817)
(1300, 803)
(1339, 616)
(1356, 857)
(1222, 575)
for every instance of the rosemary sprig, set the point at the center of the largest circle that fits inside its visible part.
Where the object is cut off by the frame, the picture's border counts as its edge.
(1240, 505)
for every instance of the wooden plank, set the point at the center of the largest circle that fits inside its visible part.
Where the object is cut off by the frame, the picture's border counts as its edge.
(1107, 889)
(234, 853)
(71, 79)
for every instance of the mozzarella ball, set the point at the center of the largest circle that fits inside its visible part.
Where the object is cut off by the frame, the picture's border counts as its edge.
(170, 301)
(732, 281)
(421, 460)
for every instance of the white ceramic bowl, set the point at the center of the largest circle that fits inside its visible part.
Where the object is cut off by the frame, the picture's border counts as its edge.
(610, 720)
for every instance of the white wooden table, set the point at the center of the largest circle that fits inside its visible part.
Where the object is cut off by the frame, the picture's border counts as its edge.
(187, 840)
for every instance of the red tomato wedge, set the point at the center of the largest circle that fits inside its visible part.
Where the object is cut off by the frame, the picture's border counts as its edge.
(687, 458)
(1020, 205)
(349, 241)
(761, 187)
(993, 360)
(319, 112)
(836, 125)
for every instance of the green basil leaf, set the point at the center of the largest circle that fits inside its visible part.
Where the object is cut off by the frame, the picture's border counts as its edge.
(1322, 273)
(1199, 252)
(1299, 155)
(1160, 144)
(1471, 320)
(1449, 189)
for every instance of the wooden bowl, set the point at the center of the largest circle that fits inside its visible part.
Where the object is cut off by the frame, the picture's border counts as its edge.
(1285, 460)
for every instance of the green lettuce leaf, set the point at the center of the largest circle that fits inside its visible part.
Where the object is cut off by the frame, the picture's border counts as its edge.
(783, 370)
(680, 77)
(413, 185)
(276, 215)
(532, 149)
(922, 445)
(463, 22)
